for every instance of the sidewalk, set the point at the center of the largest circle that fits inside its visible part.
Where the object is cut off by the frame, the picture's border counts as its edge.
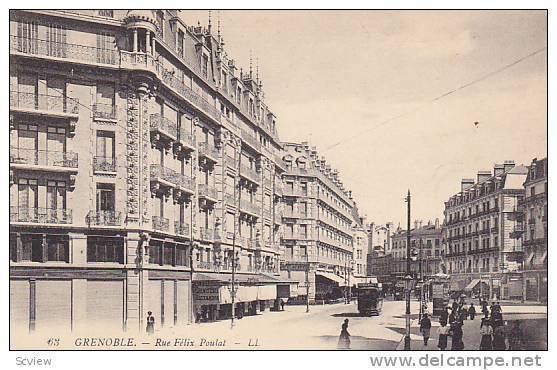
(533, 322)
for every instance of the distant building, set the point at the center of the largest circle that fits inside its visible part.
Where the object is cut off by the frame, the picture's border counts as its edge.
(427, 241)
(481, 251)
(380, 237)
(317, 224)
(360, 252)
(533, 231)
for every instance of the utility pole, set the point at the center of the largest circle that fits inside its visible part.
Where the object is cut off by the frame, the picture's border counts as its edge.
(408, 277)
(307, 281)
(421, 312)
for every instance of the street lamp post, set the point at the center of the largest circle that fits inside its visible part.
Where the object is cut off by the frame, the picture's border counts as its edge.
(421, 312)
(408, 279)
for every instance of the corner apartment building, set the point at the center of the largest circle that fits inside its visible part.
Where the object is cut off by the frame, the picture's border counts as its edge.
(426, 239)
(143, 170)
(533, 231)
(481, 253)
(317, 224)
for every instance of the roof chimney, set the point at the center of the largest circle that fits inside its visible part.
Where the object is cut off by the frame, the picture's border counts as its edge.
(466, 183)
(415, 224)
(498, 169)
(437, 223)
(508, 165)
(483, 175)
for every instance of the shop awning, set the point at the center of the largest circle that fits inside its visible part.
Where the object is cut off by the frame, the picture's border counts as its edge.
(472, 284)
(327, 275)
(226, 278)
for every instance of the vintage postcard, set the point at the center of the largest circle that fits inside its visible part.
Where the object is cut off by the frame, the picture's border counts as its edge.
(278, 180)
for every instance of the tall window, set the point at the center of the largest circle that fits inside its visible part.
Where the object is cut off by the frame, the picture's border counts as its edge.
(105, 101)
(205, 65)
(56, 195)
(105, 151)
(27, 37)
(160, 21)
(106, 48)
(56, 139)
(105, 198)
(57, 248)
(56, 40)
(27, 197)
(27, 96)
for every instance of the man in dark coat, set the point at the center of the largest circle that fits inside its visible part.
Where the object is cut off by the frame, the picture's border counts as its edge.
(425, 328)
(472, 311)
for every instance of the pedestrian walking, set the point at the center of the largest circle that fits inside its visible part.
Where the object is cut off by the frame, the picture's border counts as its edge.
(499, 343)
(281, 305)
(472, 311)
(425, 328)
(463, 313)
(444, 316)
(344, 337)
(515, 337)
(150, 323)
(456, 334)
(486, 332)
(443, 334)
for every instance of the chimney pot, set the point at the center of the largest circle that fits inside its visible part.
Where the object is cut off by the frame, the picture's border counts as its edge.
(466, 183)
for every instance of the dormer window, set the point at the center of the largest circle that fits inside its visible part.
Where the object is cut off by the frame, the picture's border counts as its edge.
(106, 13)
(180, 43)
(205, 65)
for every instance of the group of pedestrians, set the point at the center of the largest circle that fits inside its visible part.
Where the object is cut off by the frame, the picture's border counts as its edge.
(493, 330)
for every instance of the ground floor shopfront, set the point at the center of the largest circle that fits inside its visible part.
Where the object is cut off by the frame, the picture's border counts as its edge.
(493, 286)
(218, 296)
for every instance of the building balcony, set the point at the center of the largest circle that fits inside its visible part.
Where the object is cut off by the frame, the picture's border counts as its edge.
(160, 223)
(231, 162)
(181, 228)
(249, 242)
(170, 178)
(251, 140)
(139, 60)
(208, 192)
(40, 215)
(249, 207)
(163, 127)
(43, 160)
(207, 234)
(230, 200)
(104, 218)
(104, 164)
(62, 51)
(208, 151)
(169, 79)
(186, 139)
(104, 112)
(249, 173)
(42, 104)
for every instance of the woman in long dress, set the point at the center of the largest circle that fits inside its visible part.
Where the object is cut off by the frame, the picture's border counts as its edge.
(486, 331)
(344, 338)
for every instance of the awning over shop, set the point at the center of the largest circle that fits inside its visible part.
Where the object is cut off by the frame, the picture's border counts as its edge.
(337, 279)
(472, 284)
(226, 278)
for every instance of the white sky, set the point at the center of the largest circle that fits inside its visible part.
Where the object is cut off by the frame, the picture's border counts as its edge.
(331, 76)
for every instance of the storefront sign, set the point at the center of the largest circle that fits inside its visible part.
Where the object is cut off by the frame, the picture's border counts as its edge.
(206, 294)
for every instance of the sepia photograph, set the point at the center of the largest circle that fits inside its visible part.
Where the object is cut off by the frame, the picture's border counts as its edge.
(232, 180)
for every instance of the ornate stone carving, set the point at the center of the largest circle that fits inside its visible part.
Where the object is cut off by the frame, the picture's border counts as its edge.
(132, 154)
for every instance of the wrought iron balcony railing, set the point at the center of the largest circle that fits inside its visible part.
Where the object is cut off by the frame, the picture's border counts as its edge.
(186, 138)
(207, 150)
(164, 126)
(43, 158)
(104, 111)
(204, 265)
(43, 102)
(63, 50)
(104, 164)
(206, 234)
(104, 218)
(207, 191)
(251, 140)
(250, 173)
(40, 215)
(181, 228)
(160, 223)
(249, 207)
(170, 176)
